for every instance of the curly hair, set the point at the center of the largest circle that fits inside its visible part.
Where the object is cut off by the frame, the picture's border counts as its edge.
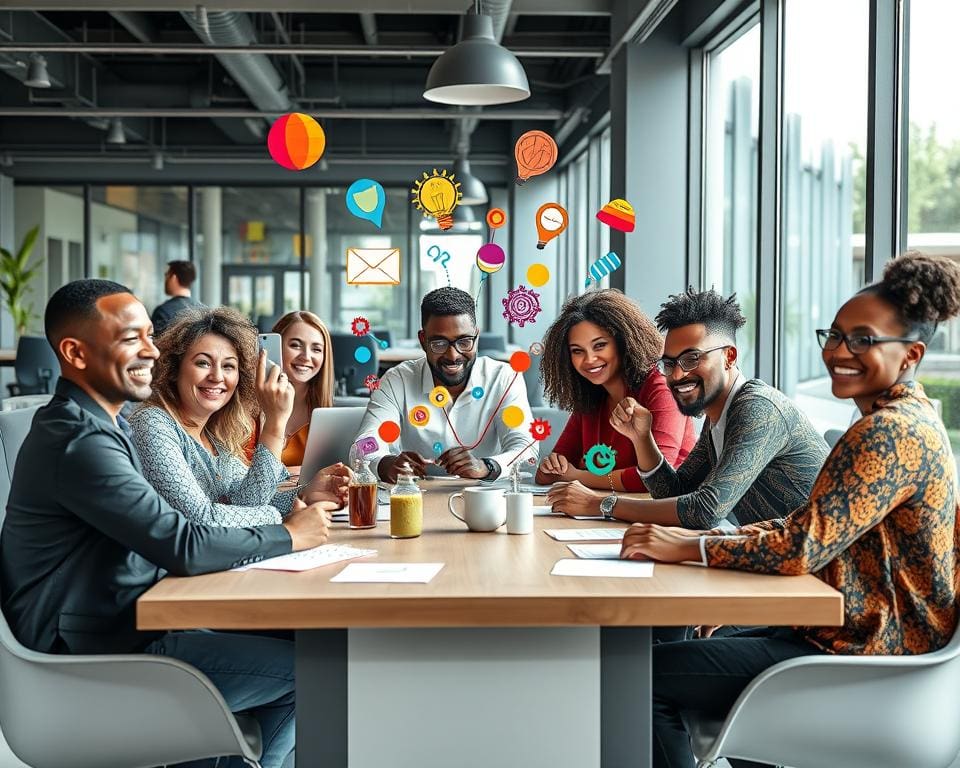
(925, 290)
(232, 425)
(709, 308)
(639, 346)
(320, 387)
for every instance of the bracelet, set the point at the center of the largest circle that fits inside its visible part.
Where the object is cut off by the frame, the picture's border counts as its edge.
(610, 479)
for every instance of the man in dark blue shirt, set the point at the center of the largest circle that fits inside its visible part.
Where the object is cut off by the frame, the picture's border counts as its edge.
(176, 284)
(85, 534)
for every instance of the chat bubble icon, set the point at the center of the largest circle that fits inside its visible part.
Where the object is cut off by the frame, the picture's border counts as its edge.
(366, 199)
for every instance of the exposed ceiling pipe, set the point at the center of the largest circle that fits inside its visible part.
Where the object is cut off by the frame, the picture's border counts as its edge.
(499, 12)
(342, 114)
(140, 25)
(254, 73)
(242, 51)
(368, 23)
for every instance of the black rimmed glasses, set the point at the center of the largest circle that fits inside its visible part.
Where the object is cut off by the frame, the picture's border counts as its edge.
(463, 344)
(830, 338)
(687, 361)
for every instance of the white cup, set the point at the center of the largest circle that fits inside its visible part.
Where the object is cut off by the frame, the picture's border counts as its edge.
(484, 509)
(519, 512)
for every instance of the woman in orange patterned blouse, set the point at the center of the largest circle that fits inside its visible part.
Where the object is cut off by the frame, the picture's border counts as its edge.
(881, 525)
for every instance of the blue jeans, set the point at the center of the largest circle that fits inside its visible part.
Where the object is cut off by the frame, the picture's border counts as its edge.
(253, 673)
(707, 676)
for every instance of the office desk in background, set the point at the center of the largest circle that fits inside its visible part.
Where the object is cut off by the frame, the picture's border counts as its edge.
(543, 670)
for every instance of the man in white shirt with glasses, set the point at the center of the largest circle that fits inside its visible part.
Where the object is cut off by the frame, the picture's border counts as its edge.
(449, 404)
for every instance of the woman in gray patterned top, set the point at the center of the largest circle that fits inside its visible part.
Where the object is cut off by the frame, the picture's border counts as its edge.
(190, 435)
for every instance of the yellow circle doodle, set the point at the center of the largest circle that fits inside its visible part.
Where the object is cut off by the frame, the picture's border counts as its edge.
(513, 416)
(419, 416)
(440, 397)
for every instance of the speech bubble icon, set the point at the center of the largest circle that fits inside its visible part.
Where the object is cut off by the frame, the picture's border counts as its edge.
(366, 199)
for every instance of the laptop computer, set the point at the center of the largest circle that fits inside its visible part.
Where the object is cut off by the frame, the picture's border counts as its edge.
(332, 434)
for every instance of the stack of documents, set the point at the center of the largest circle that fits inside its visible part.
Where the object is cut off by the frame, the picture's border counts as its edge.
(586, 534)
(635, 569)
(388, 573)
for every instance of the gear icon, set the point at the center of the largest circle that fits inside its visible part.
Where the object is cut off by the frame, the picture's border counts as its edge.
(360, 326)
(601, 459)
(521, 306)
(371, 382)
(540, 429)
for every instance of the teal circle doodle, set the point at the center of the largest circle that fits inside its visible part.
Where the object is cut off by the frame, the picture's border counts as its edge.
(477, 392)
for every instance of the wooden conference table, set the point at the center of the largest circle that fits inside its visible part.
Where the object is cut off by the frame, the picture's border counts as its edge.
(489, 580)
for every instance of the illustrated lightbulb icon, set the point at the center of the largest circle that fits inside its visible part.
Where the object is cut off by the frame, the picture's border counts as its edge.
(551, 221)
(535, 153)
(437, 194)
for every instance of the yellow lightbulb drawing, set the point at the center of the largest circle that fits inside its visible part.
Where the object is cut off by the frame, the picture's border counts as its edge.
(437, 194)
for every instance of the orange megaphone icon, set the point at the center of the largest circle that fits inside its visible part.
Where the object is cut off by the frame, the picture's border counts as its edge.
(536, 152)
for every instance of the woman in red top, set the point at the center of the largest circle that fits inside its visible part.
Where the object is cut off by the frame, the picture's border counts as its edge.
(600, 349)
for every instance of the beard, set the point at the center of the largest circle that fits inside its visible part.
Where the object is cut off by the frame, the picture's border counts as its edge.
(452, 381)
(703, 400)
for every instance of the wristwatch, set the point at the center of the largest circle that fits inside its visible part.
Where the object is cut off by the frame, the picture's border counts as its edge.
(493, 469)
(606, 506)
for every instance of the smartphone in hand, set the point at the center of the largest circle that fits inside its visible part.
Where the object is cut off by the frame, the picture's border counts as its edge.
(271, 342)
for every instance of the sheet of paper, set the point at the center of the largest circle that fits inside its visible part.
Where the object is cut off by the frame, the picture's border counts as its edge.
(538, 490)
(596, 551)
(308, 558)
(388, 573)
(586, 534)
(628, 569)
(545, 511)
(343, 515)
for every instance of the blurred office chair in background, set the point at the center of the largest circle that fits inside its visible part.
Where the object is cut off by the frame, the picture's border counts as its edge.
(36, 368)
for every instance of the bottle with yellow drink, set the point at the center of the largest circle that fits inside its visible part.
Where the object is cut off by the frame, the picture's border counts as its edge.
(406, 506)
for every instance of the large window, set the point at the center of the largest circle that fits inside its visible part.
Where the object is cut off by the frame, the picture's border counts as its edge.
(135, 231)
(822, 182)
(730, 178)
(933, 192)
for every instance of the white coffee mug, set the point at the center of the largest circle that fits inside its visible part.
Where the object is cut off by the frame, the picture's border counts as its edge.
(519, 512)
(484, 509)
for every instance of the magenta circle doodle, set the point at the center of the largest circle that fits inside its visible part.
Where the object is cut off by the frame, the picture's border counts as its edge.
(521, 306)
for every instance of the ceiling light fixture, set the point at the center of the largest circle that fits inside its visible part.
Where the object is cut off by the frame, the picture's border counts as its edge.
(116, 135)
(474, 192)
(477, 71)
(37, 75)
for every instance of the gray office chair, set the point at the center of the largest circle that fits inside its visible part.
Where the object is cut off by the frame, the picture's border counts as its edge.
(832, 437)
(854, 711)
(348, 373)
(36, 368)
(384, 335)
(110, 711)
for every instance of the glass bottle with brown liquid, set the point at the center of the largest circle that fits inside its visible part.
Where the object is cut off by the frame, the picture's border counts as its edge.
(363, 496)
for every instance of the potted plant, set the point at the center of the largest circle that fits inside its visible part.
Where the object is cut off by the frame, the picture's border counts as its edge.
(15, 277)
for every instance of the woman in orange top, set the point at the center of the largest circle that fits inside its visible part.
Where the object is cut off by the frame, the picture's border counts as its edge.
(882, 517)
(308, 363)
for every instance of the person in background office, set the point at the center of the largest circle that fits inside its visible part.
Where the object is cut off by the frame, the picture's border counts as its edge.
(757, 455)
(308, 364)
(85, 534)
(179, 277)
(881, 525)
(601, 349)
(472, 438)
(190, 434)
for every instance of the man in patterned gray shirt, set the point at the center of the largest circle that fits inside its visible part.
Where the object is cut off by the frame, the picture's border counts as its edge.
(757, 456)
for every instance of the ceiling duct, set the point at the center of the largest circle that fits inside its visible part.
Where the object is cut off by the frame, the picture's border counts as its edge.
(254, 73)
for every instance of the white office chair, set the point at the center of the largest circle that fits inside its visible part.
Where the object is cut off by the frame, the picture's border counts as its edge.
(854, 711)
(109, 711)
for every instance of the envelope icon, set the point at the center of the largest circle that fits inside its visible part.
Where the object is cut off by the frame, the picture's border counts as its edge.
(373, 266)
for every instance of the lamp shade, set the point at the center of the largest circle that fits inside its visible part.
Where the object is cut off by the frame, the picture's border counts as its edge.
(477, 71)
(115, 134)
(472, 189)
(37, 75)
